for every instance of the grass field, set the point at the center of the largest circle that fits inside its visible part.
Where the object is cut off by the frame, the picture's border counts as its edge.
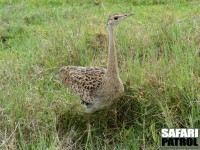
(158, 55)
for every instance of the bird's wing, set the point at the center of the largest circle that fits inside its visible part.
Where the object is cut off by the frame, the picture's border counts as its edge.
(82, 80)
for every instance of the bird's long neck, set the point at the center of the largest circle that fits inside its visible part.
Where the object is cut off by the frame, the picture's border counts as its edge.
(112, 68)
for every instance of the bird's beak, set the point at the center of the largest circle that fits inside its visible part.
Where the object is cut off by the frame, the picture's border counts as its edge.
(128, 15)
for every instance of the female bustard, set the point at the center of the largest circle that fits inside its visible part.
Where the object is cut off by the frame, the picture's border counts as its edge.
(97, 87)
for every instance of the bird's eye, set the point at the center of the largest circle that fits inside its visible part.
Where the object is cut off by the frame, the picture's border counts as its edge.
(115, 18)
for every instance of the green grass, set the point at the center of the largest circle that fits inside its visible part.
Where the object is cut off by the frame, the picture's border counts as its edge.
(157, 55)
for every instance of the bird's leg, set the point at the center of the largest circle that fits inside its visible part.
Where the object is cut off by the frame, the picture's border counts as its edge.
(107, 110)
(88, 123)
(89, 137)
(115, 113)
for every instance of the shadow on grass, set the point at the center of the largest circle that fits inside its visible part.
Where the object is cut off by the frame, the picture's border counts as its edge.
(105, 125)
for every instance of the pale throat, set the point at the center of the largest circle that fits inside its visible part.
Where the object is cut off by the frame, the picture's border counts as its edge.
(112, 68)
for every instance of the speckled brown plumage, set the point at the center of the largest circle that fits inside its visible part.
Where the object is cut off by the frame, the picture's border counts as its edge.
(83, 81)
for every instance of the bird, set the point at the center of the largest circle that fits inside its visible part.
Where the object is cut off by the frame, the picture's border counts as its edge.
(98, 88)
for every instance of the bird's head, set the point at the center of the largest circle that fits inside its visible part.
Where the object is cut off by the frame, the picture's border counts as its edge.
(115, 19)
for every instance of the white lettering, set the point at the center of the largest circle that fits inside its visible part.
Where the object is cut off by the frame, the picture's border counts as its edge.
(172, 133)
(184, 133)
(190, 133)
(164, 132)
(196, 133)
(178, 132)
